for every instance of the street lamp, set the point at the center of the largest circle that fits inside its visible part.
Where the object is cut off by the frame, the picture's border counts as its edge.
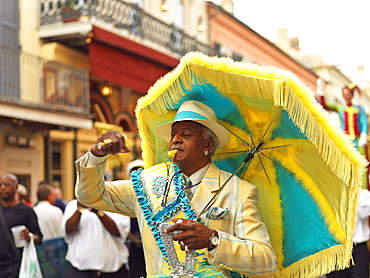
(106, 90)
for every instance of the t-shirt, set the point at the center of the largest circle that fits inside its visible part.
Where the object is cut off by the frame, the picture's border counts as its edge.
(20, 214)
(50, 219)
(91, 246)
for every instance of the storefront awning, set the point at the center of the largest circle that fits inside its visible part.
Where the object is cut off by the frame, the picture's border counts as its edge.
(127, 63)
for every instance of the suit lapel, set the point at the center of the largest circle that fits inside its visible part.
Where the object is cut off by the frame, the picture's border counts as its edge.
(207, 188)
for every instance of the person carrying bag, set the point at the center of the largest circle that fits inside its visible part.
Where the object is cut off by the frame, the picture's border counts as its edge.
(30, 267)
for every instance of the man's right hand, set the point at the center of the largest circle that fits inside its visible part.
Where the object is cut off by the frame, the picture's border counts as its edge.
(110, 142)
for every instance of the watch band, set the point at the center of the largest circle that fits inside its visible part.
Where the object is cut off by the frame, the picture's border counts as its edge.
(213, 240)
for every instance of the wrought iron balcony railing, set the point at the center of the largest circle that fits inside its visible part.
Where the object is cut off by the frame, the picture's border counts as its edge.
(26, 79)
(127, 16)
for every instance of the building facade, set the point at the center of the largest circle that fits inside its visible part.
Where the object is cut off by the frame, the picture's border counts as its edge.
(73, 68)
(234, 38)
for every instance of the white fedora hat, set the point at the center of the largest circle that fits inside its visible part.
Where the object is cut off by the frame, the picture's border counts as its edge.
(196, 111)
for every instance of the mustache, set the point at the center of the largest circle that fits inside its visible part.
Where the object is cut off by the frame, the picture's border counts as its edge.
(178, 147)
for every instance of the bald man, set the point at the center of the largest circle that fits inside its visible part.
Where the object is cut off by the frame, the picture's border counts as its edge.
(14, 213)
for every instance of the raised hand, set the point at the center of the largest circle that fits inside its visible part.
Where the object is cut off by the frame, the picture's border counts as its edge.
(110, 142)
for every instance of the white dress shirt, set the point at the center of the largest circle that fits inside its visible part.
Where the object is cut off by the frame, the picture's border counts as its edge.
(92, 247)
(50, 219)
(197, 177)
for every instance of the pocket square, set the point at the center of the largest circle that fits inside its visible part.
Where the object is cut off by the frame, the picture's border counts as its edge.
(216, 213)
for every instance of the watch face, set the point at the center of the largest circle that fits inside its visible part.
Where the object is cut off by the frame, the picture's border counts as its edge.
(214, 240)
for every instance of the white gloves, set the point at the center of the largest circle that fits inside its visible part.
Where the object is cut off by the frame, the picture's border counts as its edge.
(363, 139)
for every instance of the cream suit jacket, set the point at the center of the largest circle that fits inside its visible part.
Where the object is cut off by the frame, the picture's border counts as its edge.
(244, 244)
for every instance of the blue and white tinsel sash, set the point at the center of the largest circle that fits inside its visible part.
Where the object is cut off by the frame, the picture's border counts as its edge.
(154, 217)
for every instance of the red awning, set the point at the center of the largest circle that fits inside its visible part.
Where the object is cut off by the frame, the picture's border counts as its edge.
(125, 62)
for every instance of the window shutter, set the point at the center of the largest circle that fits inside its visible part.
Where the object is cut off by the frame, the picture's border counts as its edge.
(9, 46)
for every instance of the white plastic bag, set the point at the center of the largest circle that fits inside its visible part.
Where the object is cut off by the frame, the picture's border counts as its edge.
(30, 267)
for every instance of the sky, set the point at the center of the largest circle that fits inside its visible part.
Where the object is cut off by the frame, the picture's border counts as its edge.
(338, 29)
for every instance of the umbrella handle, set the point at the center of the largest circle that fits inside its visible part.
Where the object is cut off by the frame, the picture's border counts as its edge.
(253, 152)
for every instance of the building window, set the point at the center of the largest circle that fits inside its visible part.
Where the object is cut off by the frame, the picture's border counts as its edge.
(9, 50)
(25, 180)
(179, 13)
(57, 162)
(124, 124)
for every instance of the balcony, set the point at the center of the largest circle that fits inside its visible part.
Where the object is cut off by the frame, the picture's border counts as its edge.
(123, 18)
(41, 87)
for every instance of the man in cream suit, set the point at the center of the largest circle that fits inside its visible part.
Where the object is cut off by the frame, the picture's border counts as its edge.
(213, 231)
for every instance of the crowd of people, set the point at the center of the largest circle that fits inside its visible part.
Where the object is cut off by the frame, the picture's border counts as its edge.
(95, 239)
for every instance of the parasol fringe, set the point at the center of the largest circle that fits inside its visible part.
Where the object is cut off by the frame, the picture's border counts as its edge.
(336, 157)
(289, 93)
(314, 266)
(284, 89)
(295, 98)
(350, 208)
(345, 238)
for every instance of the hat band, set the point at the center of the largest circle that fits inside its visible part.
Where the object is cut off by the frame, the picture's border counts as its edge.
(188, 115)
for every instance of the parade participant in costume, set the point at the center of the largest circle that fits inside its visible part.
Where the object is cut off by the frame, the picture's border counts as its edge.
(353, 118)
(354, 122)
(226, 240)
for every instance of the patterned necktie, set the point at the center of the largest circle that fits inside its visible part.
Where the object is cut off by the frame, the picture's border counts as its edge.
(189, 191)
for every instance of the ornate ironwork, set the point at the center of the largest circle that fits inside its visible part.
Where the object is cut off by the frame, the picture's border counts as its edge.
(33, 81)
(127, 16)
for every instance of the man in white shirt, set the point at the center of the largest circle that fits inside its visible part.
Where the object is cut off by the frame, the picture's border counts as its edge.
(49, 216)
(96, 242)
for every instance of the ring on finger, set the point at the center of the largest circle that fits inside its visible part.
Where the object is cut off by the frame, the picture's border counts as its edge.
(105, 142)
(181, 243)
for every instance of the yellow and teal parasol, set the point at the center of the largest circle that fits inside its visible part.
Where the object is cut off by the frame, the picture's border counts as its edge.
(307, 170)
